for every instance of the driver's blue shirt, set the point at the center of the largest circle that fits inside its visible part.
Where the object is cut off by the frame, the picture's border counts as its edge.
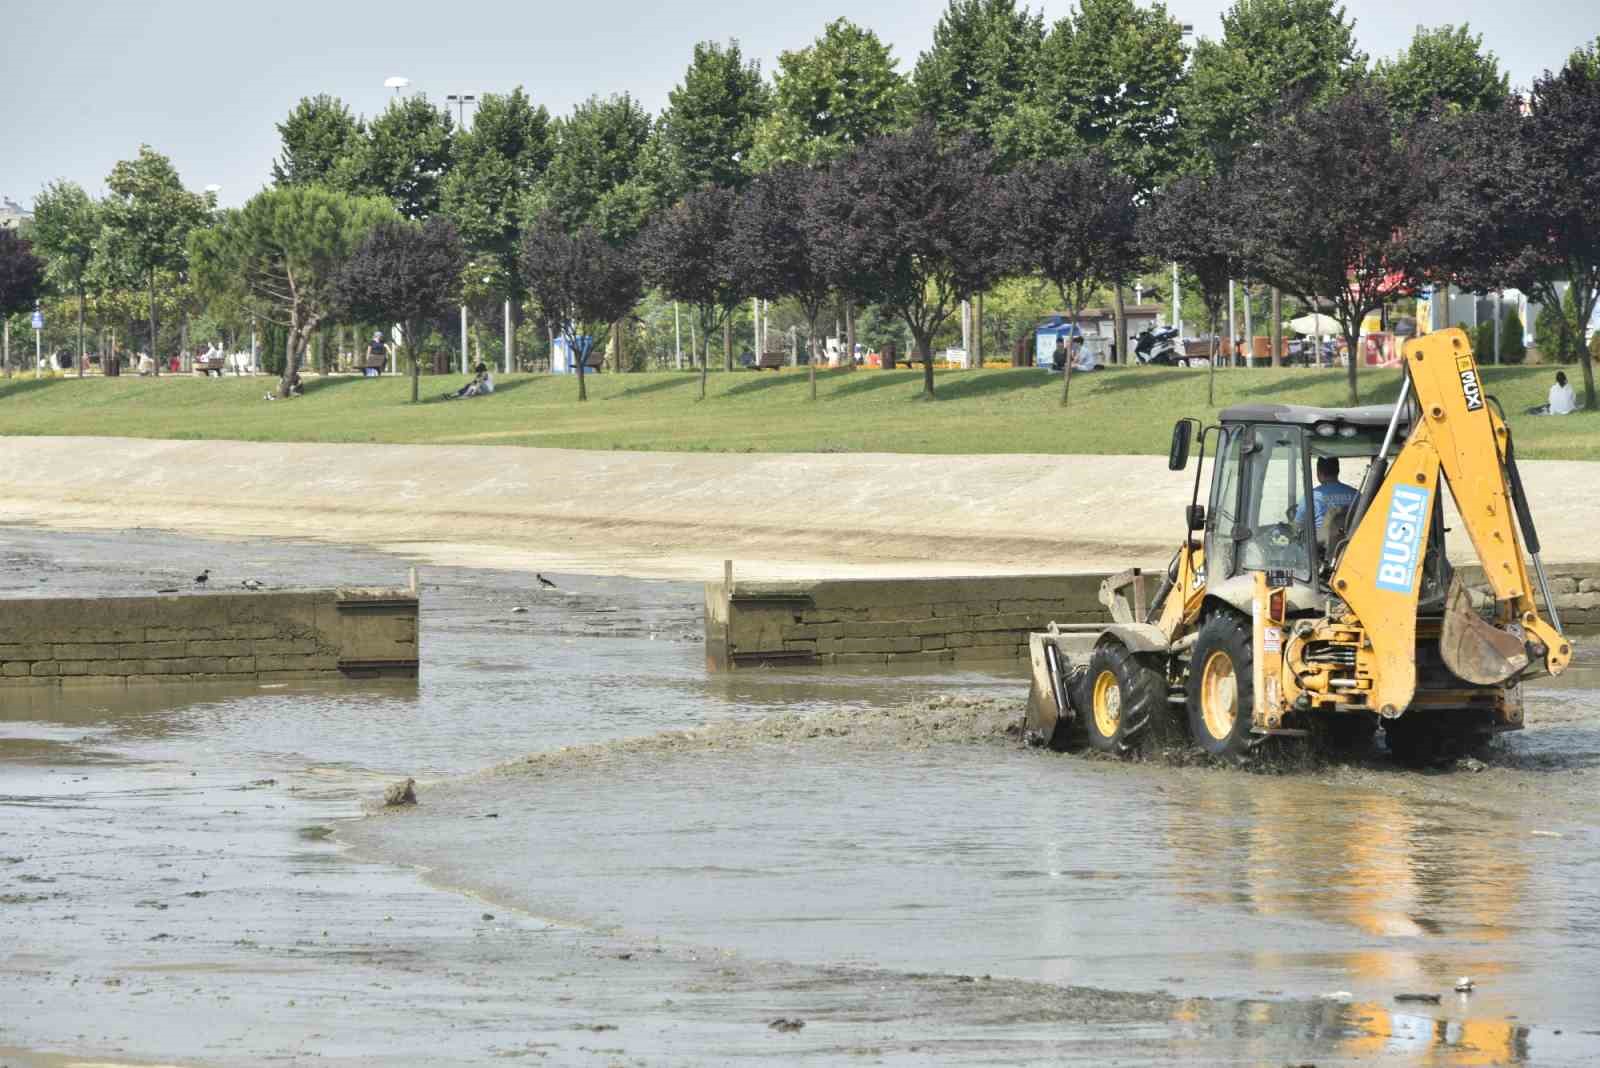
(1327, 495)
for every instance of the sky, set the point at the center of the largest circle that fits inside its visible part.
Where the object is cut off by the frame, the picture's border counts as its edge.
(204, 83)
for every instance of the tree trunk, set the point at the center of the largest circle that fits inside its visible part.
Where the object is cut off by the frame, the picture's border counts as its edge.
(977, 332)
(1351, 340)
(925, 351)
(705, 361)
(1119, 324)
(1066, 372)
(619, 346)
(1583, 301)
(154, 359)
(82, 350)
(416, 361)
(850, 341)
(727, 342)
(1275, 330)
(583, 360)
(1211, 370)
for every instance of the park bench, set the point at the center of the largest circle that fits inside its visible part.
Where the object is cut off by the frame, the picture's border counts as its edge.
(373, 363)
(770, 361)
(210, 365)
(595, 361)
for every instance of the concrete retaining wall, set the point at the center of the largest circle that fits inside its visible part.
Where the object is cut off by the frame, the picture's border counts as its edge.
(307, 634)
(877, 621)
(939, 620)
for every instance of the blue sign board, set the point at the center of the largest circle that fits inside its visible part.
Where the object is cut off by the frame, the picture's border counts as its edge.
(38, 320)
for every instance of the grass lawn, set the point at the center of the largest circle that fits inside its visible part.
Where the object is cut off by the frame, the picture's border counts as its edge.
(990, 411)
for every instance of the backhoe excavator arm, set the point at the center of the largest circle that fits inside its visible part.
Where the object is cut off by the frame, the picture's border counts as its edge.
(1460, 438)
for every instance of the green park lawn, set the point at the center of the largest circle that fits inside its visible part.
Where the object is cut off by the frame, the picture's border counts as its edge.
(989, 411)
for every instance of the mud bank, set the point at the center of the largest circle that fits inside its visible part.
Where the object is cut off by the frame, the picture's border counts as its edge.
(663, 515)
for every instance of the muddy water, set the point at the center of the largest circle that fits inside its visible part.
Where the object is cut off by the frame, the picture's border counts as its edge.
(685, 858)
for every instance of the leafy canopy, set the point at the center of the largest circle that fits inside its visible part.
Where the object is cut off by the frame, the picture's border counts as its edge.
(316, 135)
(982, 65)
(709, 127)
(402, 155)
(1445, 64)
(832, 96)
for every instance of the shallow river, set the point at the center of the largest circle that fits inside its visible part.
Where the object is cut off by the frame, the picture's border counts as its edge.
(185, 876)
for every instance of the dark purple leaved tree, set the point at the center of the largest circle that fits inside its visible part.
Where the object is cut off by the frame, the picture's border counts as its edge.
(580, 282)
(1322, 204)
(1073, 222)
(21, 277)
(407, 273)
(1189, 222)
(1516, 200)
(689, 251)
(909, 220)
(772, 249)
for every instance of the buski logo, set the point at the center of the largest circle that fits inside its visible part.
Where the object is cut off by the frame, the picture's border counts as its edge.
(1471, 388)
(1402, 538)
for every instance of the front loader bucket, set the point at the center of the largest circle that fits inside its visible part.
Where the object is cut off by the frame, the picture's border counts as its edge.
(1050, 715)
(1474, 649)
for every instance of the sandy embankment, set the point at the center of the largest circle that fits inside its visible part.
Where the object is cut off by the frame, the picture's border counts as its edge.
(664, 515)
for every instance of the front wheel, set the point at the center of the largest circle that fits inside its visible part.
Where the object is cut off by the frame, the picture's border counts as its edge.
(1221, 697)
(1122, 695)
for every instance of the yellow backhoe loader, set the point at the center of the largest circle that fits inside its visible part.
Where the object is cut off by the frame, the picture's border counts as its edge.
(1300, 605)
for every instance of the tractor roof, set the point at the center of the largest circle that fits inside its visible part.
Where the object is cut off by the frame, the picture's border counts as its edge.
(1370, 415)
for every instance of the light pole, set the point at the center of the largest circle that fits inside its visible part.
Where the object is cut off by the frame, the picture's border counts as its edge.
(461, 100)
(397, 83)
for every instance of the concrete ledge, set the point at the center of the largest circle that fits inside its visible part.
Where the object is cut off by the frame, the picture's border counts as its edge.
(962, 619)
(236, 637)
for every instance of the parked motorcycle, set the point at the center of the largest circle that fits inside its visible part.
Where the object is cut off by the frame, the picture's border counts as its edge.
(1159, 347)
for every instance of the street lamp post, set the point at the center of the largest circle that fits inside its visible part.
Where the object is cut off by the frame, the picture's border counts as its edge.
(461, 100)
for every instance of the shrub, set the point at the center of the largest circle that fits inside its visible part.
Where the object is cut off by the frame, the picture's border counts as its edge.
(1483, 342)
(1513, 349)
(1547, 331)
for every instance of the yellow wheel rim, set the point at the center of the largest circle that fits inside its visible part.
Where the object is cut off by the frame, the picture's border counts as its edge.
(1219, 695)
(1107, 704)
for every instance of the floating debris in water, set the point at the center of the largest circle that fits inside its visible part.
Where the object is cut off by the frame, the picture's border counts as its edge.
(401, 793)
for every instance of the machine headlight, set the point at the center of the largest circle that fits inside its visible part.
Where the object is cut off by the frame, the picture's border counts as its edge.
(1326, 430)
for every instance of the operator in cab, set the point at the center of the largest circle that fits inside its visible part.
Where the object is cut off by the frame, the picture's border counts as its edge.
(1329, 492)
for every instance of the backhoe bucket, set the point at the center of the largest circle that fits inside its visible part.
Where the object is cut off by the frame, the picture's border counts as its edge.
(1049, 699)
(1473, 648)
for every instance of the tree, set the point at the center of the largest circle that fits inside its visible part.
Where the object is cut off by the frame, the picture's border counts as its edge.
(282, 253)
(771, 247)
(831, 97)
(580, 282)
(1075, 223)
(1189, 222)
(909, 218)
(66, 225)
(1323, 204)
(1111, 78)
(710, 123)
(499, 162)
(404, 272)
(1557, 333)
(982, 65)
(1513, 348)
(21, 276)
(316, 135)
(596, 151)
(1446, 65)
(149, 216)
(1517, 198)
(688, 252)
(403, 155)
(1274, 57)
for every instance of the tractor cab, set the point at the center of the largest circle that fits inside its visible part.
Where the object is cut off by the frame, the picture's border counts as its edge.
(1285, 486)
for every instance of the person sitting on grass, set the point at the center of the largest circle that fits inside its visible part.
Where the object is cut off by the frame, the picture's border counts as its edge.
(1082, 358)
(1562, 400)
(481, 383)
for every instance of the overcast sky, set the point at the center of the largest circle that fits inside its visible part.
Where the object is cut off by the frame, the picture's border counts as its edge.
(204, 83)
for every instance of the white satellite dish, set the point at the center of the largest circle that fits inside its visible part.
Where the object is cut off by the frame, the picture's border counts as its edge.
(396, 82)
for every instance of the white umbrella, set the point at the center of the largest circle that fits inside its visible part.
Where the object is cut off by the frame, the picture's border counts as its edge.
(1316, 323)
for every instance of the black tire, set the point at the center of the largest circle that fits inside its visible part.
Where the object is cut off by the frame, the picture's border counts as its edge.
(1122, 696)
(1221, 691)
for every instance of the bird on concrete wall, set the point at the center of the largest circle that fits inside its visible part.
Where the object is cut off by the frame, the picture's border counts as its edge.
(202, 578)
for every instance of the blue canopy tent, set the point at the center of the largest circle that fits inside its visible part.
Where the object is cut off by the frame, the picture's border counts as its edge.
(1044, 338)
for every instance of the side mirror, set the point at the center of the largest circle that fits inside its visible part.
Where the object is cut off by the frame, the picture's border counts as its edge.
(1178, 455)
(1196, 516)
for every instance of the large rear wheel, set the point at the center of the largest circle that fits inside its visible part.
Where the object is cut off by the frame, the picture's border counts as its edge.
(1221, 697)
(1123, 694)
